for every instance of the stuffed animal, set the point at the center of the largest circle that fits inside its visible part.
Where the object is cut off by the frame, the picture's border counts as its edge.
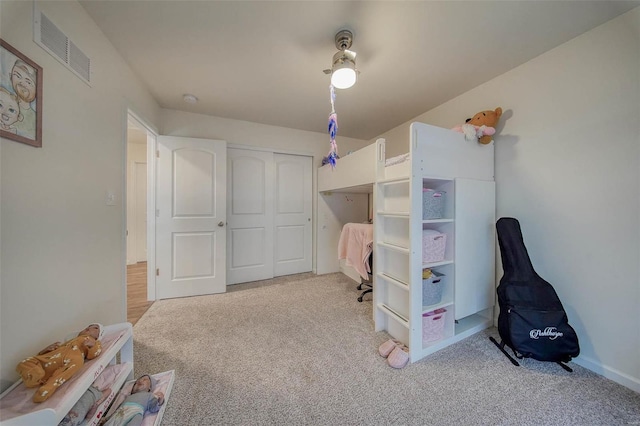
(481, 126)
(57, 363)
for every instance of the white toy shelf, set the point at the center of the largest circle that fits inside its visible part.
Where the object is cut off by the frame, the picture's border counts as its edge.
(17, 407)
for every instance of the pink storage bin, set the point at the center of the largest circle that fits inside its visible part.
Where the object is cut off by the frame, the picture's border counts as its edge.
(433, 245)
(433, 325)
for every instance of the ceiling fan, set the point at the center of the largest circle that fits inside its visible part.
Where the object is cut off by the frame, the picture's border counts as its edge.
(343, 69)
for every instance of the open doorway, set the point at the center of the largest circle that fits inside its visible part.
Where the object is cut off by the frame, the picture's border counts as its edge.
(136, 233)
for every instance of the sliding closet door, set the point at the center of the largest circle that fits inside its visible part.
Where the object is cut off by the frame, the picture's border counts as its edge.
(249, 215)
(293, 191)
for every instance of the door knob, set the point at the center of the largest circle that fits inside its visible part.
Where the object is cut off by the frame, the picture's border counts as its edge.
(220, 223)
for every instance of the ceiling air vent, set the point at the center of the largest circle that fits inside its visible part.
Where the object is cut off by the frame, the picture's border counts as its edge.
(54, 41)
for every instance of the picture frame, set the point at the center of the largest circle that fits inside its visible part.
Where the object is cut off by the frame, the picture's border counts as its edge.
(20, 97)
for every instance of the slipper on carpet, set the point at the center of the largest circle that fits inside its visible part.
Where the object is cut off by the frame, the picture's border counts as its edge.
(387, 347)
(399, 357)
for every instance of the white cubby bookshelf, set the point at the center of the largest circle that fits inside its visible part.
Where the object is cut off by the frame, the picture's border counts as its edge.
(443, 160)
(17, 407)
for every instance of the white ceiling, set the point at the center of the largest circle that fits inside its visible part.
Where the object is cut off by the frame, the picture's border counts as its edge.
(262, 61)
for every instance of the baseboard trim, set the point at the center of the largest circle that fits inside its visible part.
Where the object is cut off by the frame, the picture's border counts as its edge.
(619, 377)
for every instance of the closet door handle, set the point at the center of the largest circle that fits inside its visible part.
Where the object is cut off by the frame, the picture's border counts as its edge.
(221, 224)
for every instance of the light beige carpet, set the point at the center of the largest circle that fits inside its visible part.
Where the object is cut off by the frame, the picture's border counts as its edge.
(304, 352)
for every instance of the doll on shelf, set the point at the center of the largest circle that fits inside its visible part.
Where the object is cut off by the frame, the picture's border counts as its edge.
(130, 411)
(84, 410)
(85, 407)
(58, 362)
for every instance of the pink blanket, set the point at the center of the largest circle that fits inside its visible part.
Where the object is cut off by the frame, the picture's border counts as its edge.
(355, 245)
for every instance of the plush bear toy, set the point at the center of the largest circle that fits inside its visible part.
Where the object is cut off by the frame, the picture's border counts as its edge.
(57, 363)
(481, 126)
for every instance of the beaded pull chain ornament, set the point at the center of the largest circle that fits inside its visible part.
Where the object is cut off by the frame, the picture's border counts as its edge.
(333, 130)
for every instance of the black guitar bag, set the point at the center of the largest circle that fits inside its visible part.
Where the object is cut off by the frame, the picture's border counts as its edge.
(532, 321)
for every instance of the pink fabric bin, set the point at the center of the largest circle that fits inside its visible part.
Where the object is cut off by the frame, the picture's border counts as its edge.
(433, 246)
(433, 325)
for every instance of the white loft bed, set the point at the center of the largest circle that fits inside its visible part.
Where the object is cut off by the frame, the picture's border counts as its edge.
(17, 408)
(441, 159)
(356, 172)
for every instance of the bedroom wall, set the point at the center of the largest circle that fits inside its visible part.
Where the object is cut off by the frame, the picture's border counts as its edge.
(567, 158)
(62, 248)
(325, 208)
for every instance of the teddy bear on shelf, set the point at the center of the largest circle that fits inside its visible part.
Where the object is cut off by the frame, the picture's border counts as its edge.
(59, 362)
(481, 126)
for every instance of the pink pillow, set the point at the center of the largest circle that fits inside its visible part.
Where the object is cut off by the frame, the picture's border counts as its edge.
(108, 376)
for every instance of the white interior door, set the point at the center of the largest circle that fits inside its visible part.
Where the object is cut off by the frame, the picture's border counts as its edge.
(250, 215)
(140, 190)
(292, 254)
(190, 217)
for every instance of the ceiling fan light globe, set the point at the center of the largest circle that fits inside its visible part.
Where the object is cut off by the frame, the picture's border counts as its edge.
(343, 78)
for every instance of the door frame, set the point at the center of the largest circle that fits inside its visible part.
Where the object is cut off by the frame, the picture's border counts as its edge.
(137, 209)
(152, 133)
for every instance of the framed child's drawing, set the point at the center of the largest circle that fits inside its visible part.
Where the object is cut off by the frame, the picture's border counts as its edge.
(20, 97)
